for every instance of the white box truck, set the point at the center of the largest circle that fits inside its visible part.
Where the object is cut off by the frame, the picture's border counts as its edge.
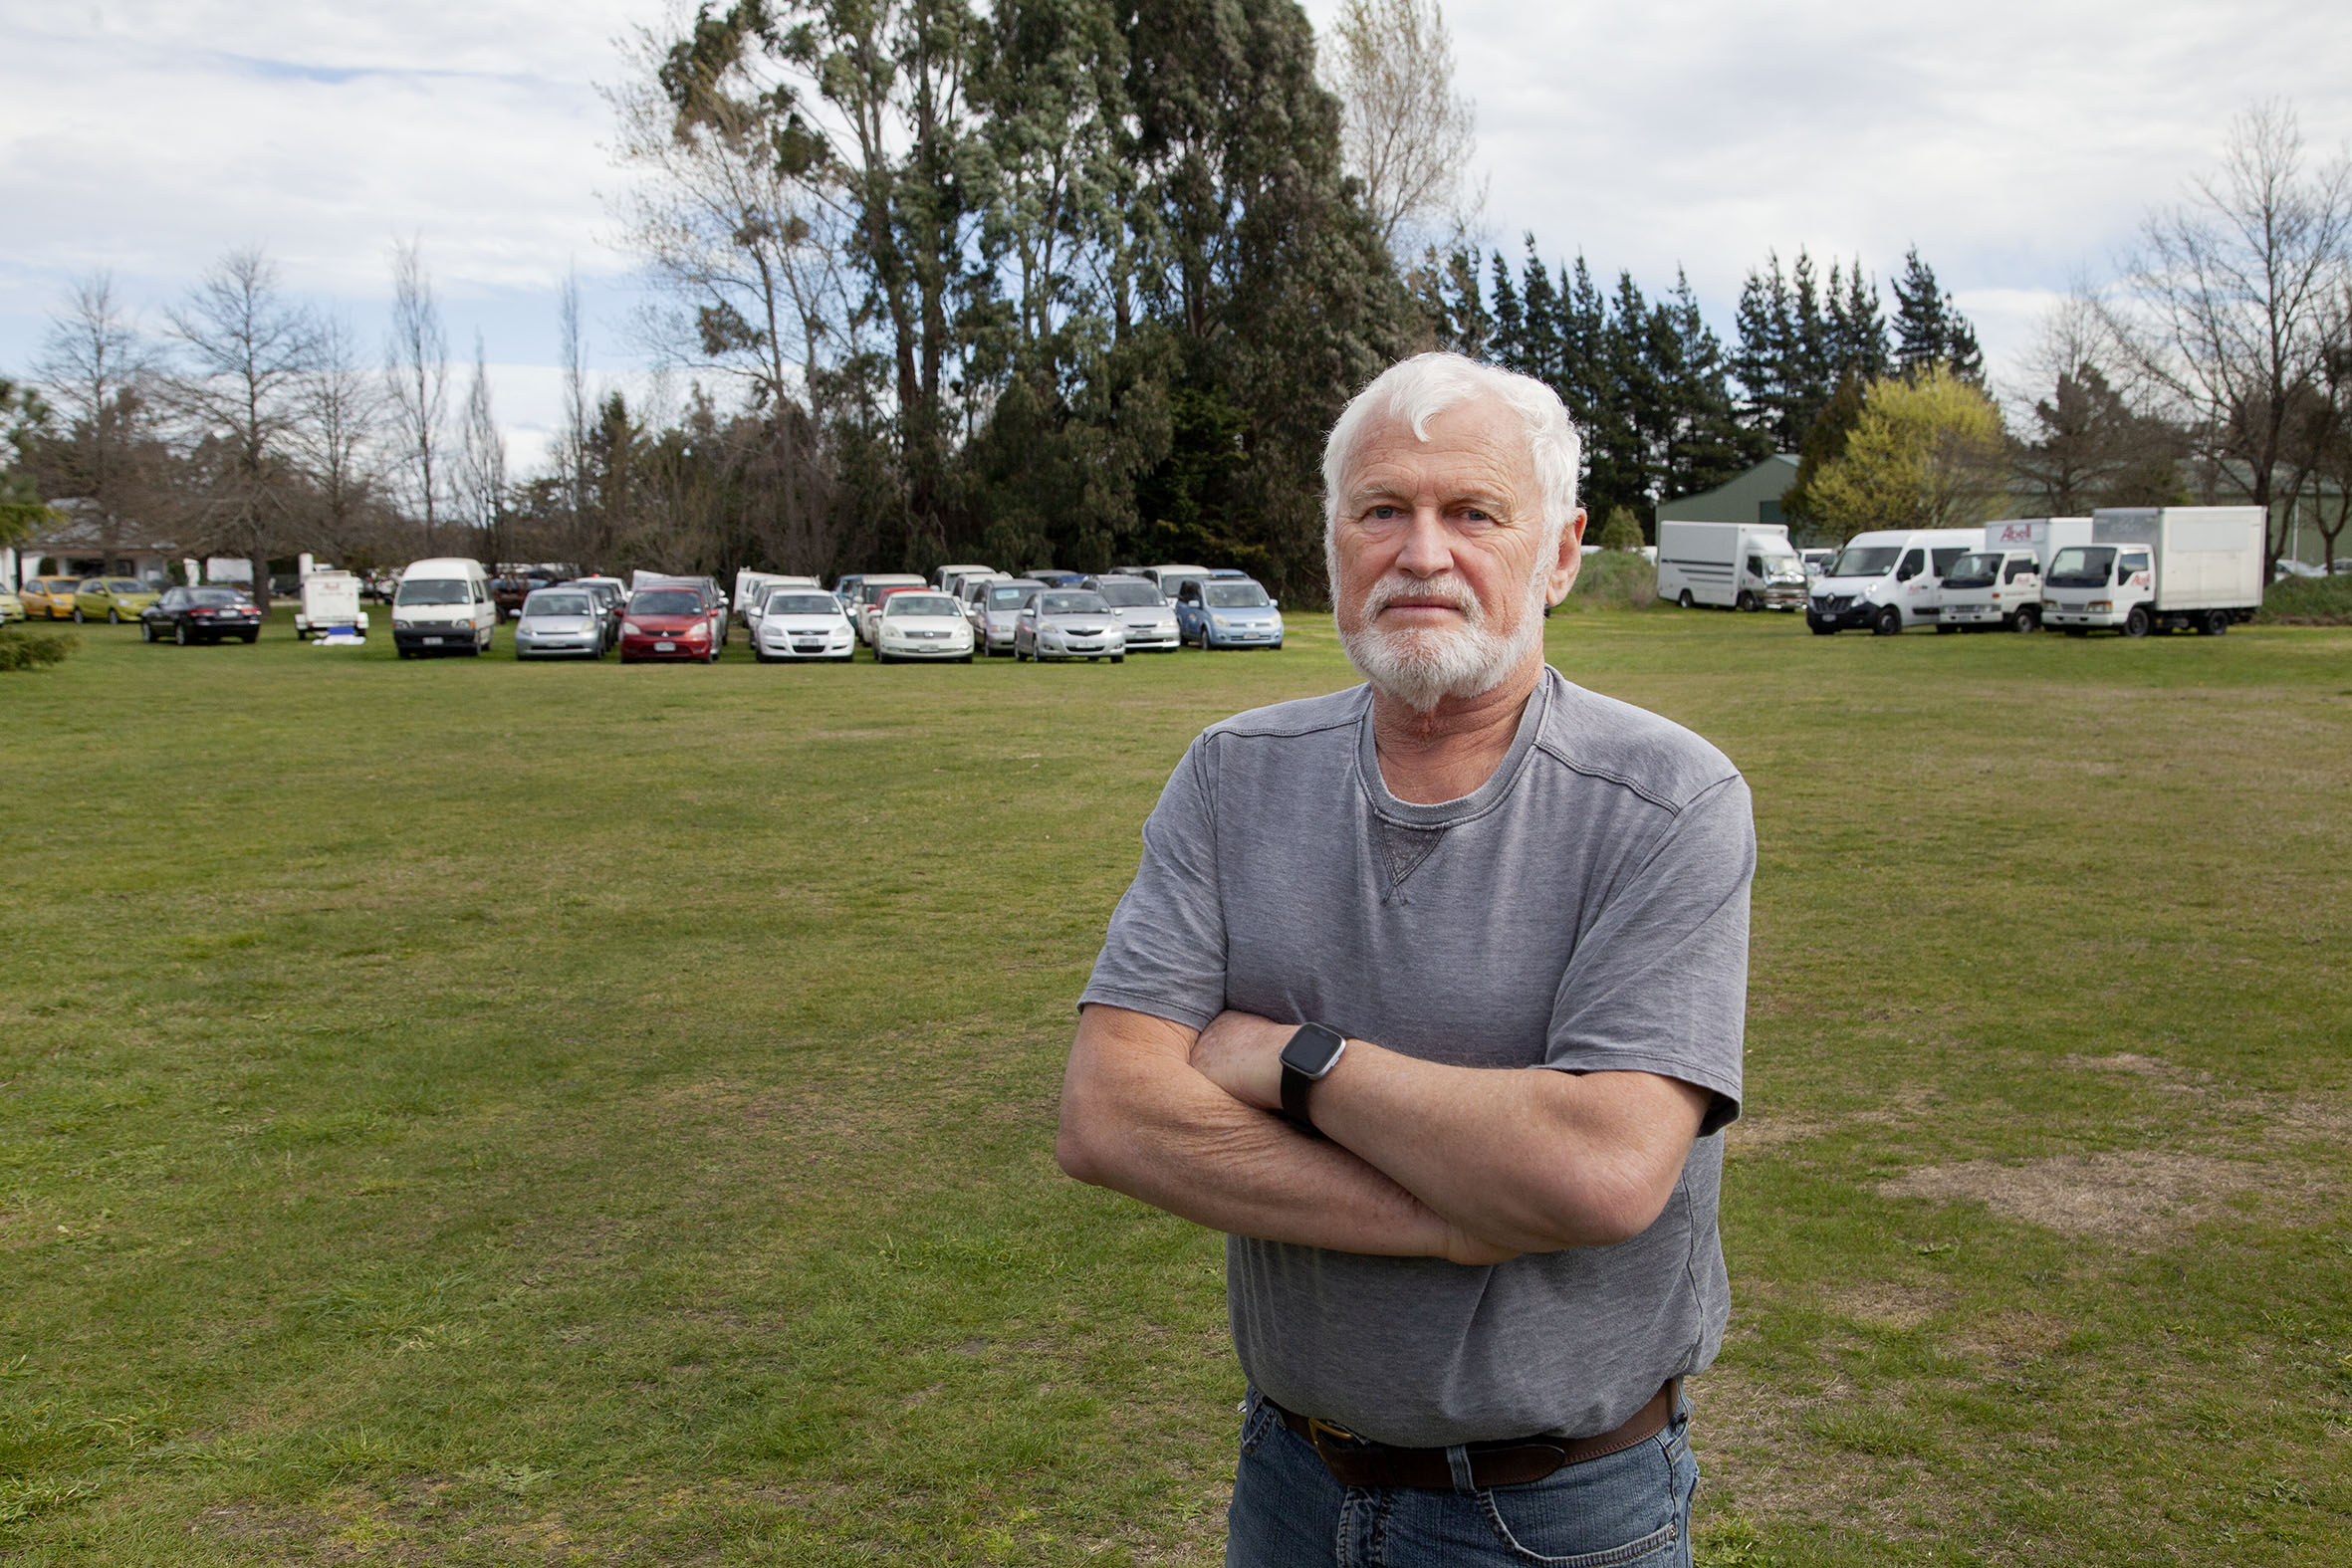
(330, 604)
(2158, 569)
(1888, 580)
(1734, 566)
(2000, 584)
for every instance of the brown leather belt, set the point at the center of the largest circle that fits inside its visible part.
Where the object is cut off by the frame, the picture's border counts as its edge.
(1509, 1462)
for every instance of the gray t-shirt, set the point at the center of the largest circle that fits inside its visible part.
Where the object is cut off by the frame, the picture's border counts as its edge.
(1585, 909)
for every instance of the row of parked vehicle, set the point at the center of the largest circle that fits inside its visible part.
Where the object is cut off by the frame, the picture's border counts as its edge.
(2128, 570)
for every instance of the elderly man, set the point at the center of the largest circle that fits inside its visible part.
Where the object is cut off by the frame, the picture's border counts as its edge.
(1429, 993)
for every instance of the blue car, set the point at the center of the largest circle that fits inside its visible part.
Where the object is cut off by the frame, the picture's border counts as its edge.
(1226, 612)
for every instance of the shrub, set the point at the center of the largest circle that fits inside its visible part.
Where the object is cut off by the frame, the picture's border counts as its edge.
(2308, 601)
(1614, 580)
(1621, 532)
(22, 653)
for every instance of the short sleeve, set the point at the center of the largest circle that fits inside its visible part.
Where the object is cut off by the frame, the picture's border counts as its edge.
(1659, 982)
(1166, 951)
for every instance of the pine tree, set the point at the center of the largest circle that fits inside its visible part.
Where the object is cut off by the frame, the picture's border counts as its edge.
(1810, 355)
(1707, 444)
(1540, 301)
(1767, 333)
(1929, 329)
(1857, 326)
(1509, 349)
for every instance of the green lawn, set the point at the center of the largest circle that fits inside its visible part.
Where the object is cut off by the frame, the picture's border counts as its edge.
(466, 1113)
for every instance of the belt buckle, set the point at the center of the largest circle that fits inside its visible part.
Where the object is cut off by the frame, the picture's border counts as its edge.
(1317, 1430)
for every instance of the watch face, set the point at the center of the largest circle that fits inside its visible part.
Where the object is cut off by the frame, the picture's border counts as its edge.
(1312, 1049)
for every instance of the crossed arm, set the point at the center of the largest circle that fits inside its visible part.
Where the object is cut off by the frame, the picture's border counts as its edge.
(1470, 1164)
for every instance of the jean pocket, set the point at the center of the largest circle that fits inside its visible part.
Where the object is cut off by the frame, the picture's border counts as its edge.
(1624, 1508)
(1258, 1420)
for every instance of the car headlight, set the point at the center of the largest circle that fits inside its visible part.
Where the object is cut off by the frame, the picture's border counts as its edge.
(629, 628)
(1218, 621)
(2100, 606)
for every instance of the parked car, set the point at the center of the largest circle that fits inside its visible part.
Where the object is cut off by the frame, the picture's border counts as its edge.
(1888, 580)
(1055, 579)
(971, 595)
(920, 623)
(612, 599)
(804, 623)
(50, 598)
(945, 579)
(707, 586)
(1149, 619)
(673, 621)
(186, 615)
(111, 599)
(443, 606)
(560, 624)
(755, 605)
(11, 607)
(870, 590)
(999, 612)
(1068, 623)
(1219, 613)
(508, 591)
(1172, 578)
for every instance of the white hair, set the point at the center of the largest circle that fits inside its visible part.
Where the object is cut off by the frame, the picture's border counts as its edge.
(1418, 389)
(1420, 669)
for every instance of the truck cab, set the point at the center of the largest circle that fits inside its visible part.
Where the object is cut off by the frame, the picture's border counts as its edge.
(1993, 588)
(2107, 587)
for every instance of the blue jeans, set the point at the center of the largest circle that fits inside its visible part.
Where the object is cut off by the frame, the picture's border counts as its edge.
(1628, 1507)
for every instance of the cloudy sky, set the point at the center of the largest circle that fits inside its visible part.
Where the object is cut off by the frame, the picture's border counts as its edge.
(2017, 143)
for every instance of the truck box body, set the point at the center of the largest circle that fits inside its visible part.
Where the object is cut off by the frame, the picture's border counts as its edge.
(1749, 566)
(329, 602)
(2159, 568)
(2045, 537)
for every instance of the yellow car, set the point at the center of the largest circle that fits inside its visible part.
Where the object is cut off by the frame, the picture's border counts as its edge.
(11, 607)
(116, 600)
(51, 598)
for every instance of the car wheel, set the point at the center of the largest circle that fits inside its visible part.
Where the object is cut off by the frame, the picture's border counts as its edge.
(2029, 619)
(1747, 600)
(1889, 621)
(967, 658)
(112, 619)
(2217, 623)
(1686, 601)
(2136, 622)
(147, 633)
(1119, 658)
(250, 638)
(76, 616)
(180, 634)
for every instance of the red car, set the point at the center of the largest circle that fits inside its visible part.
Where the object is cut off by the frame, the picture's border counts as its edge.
(671, 622)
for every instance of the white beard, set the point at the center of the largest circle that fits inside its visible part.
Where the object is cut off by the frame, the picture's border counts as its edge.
(1421, 668)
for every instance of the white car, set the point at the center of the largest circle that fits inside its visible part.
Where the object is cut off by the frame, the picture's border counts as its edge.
(1000, 607)
(921, 625)
(870, 592)
(1145, 612)
(1068, 623)
(757, 603)
(803, 623)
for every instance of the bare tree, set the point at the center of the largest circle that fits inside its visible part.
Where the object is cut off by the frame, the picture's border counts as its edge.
(2088, 430)
(96, 366)
(247, 358)
(336, 439)
(1403, 130)
(572, 447)
(416, 371)
(2229, 302)
(481, 463)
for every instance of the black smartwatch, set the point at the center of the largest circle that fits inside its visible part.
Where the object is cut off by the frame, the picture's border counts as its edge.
(1309, 1058)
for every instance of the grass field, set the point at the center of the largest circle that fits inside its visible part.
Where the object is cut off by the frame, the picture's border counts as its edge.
(468, 1113)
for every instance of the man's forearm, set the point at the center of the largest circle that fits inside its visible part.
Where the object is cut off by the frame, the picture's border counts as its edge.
(1137, 1117)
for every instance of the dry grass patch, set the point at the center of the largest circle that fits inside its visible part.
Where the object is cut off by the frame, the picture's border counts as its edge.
(2138, 1196)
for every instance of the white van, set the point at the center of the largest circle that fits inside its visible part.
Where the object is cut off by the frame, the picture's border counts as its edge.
(443, 606)
(1732, 566)
(1888, 580)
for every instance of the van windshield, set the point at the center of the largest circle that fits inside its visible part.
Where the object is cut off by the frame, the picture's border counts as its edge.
(433, 590)
(1868, 560)
(1973, 571)
(2080, 567)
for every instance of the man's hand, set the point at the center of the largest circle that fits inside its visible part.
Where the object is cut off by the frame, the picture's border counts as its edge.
(1242, 1053)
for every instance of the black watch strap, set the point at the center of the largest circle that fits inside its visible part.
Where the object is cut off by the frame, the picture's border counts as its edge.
(1306, 1060)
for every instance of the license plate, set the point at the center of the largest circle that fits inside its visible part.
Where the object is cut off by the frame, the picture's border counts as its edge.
(665, 647)
(432, 642)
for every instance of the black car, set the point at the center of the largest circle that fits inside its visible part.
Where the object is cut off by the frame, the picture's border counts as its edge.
(186, 615)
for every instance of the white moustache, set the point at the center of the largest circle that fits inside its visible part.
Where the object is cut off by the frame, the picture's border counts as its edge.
(1453, 591)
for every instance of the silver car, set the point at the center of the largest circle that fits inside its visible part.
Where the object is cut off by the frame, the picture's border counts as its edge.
(1068, 623)
(999, 613)
(558, 623)
(1149, 619)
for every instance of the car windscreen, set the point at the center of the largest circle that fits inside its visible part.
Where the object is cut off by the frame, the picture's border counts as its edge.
(919, 605)
(1129, 595)
(1866, 560)
(666, 601)
(2080, 567)
(1082, 602)
(1785, 561)
(558, 604)
(126, 585)
(1010, 598)
(1233, 596)
(802, 605)
(1974, 571)
(1944, 560)
(434, 590)
(217, 598)
(872, 588)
